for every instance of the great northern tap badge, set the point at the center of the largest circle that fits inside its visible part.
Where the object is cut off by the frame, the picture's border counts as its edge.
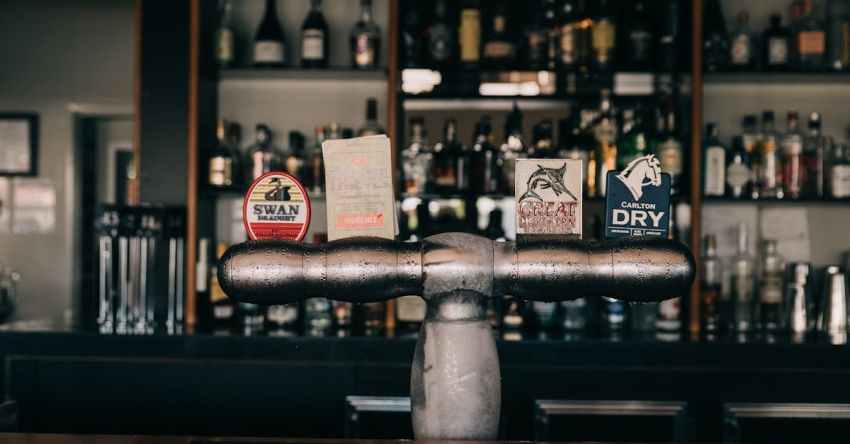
(638, 200)
(276, 207)
(548, 196)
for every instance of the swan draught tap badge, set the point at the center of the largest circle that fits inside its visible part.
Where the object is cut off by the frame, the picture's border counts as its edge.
(276, 207)
(638, 200)
(548, 196)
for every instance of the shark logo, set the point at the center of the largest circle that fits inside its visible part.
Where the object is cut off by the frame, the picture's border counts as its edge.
(641, 172)
(545, 181)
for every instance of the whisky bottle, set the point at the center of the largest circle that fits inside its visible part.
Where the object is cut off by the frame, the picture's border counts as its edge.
(223, 161)
(365, 38)
(793, 168)
(776, 44)
(714, 180)
(810, 39)
(541, 38)
(741, 49)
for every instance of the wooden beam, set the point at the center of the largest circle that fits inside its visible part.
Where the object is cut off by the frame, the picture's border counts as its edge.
(191, 315)
(696, 161)
(392, 118)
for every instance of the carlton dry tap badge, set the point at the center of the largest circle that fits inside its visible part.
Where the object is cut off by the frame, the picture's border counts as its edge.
(638, 201)
(276, 207)
(548, 196)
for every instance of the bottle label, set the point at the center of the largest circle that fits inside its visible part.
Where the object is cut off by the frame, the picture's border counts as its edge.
(224, 45)
(470, 35)
(568, 55)
(221, 171)
(715, 159)
(771, 288)
(410, 309)
(268, 51)
(740, 53)
(737, 175)
(840, 181)
(364, 50)
(670, 155)
(811, 43)
(498, 50)
(313, 44)
(777, 51)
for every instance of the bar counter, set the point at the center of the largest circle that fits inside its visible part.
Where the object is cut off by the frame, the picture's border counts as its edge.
(68, 381)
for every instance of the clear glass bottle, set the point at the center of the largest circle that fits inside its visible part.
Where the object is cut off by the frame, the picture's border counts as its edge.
(742, 48)
(816, 146)
(371, 127)
(715, 40)
(793, 170)
(714, 180)
(770, 288)
(777, 46)
(263, 156)
(314, 38)
(512, 149)
(810, 39)
(365, 38)
(225, 46)
(767, 164)
(743, 284)
(711, 283)
(447, 160)
(417, 160)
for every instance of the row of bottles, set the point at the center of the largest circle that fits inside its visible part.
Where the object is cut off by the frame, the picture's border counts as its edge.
(575, 35)
(603, 138)
(763, 294)
(230, 168)
(808, 42)
(314, 39)
(763, 163)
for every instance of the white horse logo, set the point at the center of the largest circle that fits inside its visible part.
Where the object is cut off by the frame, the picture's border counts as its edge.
(641, 172)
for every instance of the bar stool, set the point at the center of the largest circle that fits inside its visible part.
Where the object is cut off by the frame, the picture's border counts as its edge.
(647, 412)
(355, 406)
(801, 421)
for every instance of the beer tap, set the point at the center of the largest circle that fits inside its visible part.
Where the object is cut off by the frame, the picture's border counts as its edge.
(455, 386)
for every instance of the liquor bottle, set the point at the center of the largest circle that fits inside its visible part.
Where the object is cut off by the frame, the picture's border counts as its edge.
(470, 33)
(633, 142)
(441, 39)
(777, 48)
(365, 39)
(669, 150)
(371, 127)
(815, 148)
(770, 288)
(715, 43)
(714, 181)
(411, 39)
(738, 172)
(767, 166)
(604, 37)
(224, 37)
(448, 163)
(283, 320)
(424, 221)
(794, 30)
(318, 316)
(263, 156)
(315, 165)
(542, 146)
(605, 136)
(743, 283)
(314, 38)
(569, 22)
(574, 315)
(711, 293)
(669, 39)
(417, 160)
(838, 28)
(499, 49)
(638, 50)
(613, 315)
(223, 308)
(223, 161)
(572, 143)
(512, 149)
(293, 160)
(839, 173)
(810, 40)
(742, 50)
(269, 47)
(541, 38)
(793, 169)
(483, 169)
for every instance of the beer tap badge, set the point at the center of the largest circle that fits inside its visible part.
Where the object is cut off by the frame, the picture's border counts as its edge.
(548, 196)
(276, 207)
(638, 200)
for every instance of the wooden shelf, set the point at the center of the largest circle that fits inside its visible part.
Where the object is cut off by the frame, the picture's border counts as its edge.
(299, 74)
(778, 202)
(774, 77)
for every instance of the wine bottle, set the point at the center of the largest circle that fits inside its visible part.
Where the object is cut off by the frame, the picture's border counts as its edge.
(314, 38)
(269, 47)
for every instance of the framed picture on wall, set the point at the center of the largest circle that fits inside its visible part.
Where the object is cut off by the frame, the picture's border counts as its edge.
(18, 144)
